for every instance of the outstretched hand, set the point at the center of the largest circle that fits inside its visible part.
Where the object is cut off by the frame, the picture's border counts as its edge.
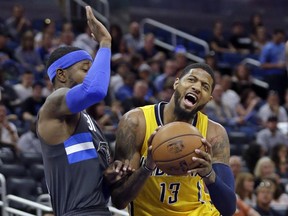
(99, 31)
(117, 170)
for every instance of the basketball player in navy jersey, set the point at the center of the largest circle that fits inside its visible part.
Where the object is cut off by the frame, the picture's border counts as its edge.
(75, 153)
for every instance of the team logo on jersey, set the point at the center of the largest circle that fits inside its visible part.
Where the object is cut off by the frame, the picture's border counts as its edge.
(80, 147)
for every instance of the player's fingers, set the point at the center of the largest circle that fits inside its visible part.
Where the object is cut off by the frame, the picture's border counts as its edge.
(89, 13)
(126, 165)
(208, 147)
(118, 165)
(206, 156)
(151, 137)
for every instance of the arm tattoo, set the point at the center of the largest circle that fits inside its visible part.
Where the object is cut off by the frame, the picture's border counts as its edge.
(220, 148)
(126, 139)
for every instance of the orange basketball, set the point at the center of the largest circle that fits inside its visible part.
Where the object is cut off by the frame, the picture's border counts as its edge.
(173, 147)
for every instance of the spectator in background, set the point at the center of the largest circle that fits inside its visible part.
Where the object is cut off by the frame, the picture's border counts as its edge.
(256, 20)
(220, 112)
(17, 23)
(85, 41)
(49, 27)
(24, 89)
(212, 61)
(244, 188)
(248, 108)
(117, 79)
(242, 80)
(28, 141)
(144, 73)
(27, 55)
(243, 209)
(280, 198)
(6, 53)
(259, 38)
(272, 60)
(48, 87)
(279, 157)
(117, 35)
(8, 94)
(180, 58)
(133, 38)
(229, 97)
(239, 39)
(271, 135)
(149, 50)
(236, 165)
(45, 47)
(168, 89)
(265, 168)
(107, 117)
(219, 43)
(67, 35)
(272, 107)
(8, 131)
(126, 90)
(140, 90)
(264, 193)
(169, 71)
(251, 155)
(31, 105)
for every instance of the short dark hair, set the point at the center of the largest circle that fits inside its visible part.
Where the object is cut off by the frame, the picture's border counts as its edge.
(58, 53)
(203, 66)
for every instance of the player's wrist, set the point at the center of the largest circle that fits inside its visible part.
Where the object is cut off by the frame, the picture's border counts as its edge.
(209, 178)
(147, 168)
(105, 43)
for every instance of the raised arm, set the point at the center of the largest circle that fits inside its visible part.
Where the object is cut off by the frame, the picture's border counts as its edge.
(129, 138)
(66, 102)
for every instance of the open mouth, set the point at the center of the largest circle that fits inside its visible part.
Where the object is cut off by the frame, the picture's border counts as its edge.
(190, 99)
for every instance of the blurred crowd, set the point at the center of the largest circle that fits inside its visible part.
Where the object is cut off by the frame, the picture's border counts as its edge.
(253, 109)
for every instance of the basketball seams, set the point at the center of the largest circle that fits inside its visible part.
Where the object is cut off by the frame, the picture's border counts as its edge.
(182, 156)
(181, 135)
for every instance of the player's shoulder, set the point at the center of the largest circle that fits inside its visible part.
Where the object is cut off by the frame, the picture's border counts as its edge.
(134, 116)
(215, 127)
(53, 102)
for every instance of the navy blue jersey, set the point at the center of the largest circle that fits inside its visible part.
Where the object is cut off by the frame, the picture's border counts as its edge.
(74, 171)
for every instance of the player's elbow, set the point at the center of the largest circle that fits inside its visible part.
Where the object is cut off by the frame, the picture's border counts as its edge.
(231, 208)
(101, 93)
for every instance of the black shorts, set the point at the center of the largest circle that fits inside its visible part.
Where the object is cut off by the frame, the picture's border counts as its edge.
(92, 211)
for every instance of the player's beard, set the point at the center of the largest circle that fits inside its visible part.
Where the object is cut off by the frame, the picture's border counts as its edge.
(180, 113)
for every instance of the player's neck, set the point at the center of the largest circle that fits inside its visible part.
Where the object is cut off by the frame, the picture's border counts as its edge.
(169, 115)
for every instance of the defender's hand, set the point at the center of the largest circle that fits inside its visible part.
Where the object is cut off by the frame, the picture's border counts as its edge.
(117, 170)
(99, 31)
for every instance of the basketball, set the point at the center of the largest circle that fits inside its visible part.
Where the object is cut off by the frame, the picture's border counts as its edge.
(173, 147)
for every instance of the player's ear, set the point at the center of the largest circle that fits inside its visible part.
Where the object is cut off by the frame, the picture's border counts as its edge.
(176, 82)
(211, 98)
(61, 75)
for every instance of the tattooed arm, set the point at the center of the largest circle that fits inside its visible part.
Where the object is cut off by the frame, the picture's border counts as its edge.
(221, 183)
(129, 139)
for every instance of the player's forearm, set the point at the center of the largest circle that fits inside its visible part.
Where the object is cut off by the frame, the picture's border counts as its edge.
(128, 191)
(95, 85)
(222, 183)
